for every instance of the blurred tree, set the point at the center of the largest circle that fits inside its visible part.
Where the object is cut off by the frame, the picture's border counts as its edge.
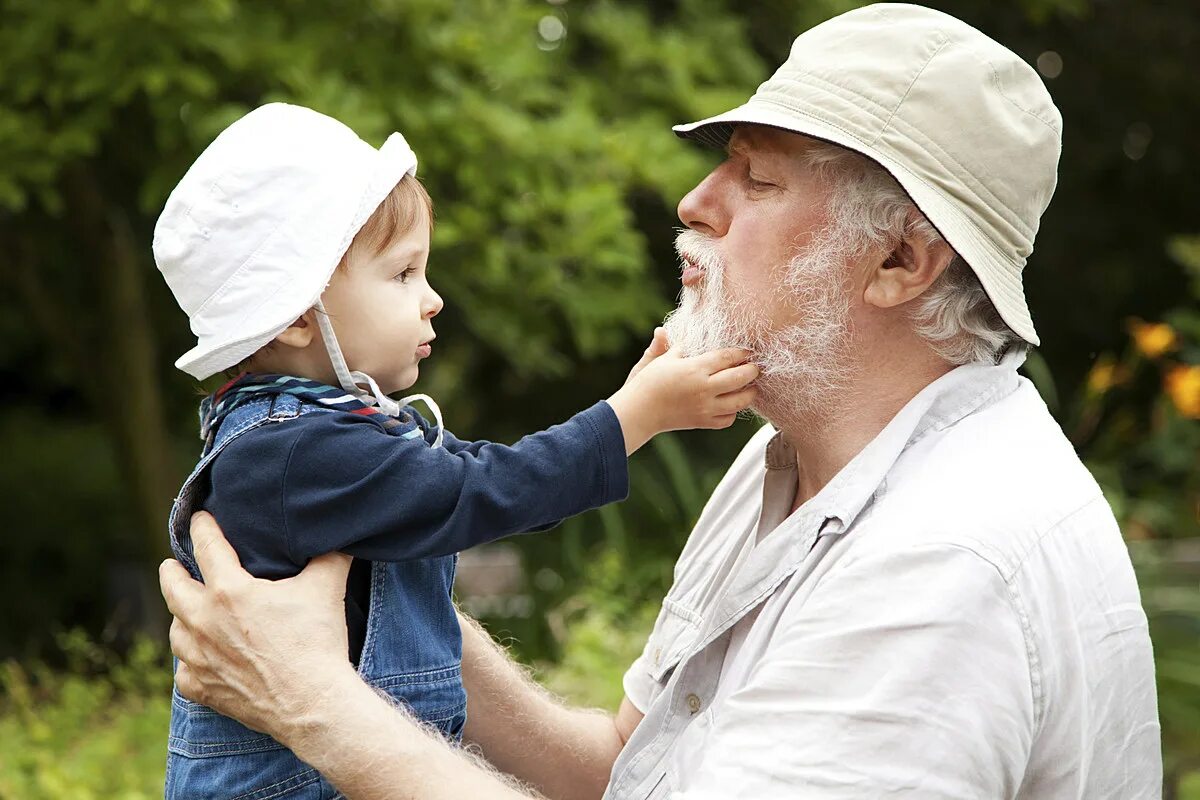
(542, 129)
(535, 135)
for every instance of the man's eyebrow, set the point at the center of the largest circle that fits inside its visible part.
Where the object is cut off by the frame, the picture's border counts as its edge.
(738, 146)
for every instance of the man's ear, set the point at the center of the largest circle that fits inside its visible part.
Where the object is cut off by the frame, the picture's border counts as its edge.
(908, 271)
(300, 333)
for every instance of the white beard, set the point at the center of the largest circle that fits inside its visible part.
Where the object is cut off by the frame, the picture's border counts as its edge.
(804, 366)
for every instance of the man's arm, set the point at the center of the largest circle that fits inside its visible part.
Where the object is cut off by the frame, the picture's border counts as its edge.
(524, 730)
(272, 655)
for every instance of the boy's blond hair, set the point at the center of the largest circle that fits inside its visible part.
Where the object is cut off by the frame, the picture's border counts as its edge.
(394, 217)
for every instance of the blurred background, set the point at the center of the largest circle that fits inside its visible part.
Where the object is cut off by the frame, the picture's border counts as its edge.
(543, 130)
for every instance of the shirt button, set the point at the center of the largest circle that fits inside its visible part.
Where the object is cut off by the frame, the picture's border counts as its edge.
(657, 655)
(693, 703)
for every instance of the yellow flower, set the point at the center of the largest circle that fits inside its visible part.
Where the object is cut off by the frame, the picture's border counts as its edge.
(1183, 386)
(1103, 376)
(1153, 339)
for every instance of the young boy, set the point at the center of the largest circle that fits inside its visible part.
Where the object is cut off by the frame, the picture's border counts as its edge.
(299, 253)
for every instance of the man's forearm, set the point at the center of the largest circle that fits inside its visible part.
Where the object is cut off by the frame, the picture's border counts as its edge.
(567, 754)
(372, 750)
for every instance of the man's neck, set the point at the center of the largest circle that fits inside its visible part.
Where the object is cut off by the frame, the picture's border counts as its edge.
(827, 439)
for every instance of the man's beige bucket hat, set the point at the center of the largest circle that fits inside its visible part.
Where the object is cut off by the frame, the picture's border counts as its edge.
(961, 122)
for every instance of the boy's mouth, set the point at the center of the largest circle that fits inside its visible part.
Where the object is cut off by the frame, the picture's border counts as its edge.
(425, 349)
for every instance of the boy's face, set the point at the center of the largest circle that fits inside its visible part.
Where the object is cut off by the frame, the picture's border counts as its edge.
(382, 309)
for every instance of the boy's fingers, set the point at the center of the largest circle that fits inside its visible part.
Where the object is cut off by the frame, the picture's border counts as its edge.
(717, 360)
(658, 347)
(736, 401)
(216, 558)
(733, 378)
(659, 344)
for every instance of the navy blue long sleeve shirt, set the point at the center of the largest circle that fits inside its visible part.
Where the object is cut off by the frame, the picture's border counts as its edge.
(325, 482)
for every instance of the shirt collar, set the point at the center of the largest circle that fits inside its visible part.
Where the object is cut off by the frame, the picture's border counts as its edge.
(952, 397)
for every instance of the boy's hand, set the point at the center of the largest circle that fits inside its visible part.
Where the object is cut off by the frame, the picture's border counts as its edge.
(658, 346)
(667, 392)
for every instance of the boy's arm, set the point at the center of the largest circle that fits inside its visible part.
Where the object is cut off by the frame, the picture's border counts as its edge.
(348, 486)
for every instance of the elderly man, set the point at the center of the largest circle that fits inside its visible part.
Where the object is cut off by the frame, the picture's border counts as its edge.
(906, 584)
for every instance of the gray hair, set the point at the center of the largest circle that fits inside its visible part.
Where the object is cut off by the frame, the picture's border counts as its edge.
(954, 315)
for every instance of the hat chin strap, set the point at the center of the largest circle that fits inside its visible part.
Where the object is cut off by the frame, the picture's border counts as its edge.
(352, 381)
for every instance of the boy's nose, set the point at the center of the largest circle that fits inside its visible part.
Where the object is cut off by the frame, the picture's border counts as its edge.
(433, 304)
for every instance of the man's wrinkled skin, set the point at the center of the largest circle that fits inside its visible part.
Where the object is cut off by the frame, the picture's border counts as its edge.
(228, 663)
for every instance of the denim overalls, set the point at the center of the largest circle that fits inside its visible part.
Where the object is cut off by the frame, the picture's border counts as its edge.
(412, 651)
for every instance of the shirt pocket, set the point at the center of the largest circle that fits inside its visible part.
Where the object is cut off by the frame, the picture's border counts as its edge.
(674, 632)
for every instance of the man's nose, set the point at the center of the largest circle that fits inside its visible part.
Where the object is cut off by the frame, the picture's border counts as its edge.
(705, 209)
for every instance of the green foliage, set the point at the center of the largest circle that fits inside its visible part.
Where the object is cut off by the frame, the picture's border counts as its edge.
(600, 632)
(94, 731)
(606, 566)
(41, 559)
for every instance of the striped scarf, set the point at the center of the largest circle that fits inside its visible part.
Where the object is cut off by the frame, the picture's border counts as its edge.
(248, 386)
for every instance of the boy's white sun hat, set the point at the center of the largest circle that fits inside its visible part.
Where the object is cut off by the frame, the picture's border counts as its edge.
(251, 236)
(961, 122)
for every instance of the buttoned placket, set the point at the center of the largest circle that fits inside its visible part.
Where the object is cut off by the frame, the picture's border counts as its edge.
(693, 683)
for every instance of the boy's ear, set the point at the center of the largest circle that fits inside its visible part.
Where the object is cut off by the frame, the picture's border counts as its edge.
(300, 333)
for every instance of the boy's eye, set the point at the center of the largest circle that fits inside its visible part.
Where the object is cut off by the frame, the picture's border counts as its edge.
(405, 275)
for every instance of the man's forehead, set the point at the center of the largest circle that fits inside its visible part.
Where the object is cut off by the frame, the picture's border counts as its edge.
(763, 140)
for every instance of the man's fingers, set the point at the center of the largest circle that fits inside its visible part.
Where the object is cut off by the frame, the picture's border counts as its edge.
(327, 572)
(186, 683)
(717, 360)
(183, 644)
(727, 380)
(179, 589)
(216, 558)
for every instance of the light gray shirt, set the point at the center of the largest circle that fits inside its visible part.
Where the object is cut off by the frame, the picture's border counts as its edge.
(953, 616)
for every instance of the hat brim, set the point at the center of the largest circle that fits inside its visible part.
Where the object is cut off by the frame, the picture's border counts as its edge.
(296, 242)
(1000, 278)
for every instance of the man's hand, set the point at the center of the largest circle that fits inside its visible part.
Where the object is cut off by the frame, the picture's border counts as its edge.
(667, 392)
(272, 654)
(263, 652)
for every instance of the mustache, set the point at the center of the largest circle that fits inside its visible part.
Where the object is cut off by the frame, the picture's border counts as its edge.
(700, 250)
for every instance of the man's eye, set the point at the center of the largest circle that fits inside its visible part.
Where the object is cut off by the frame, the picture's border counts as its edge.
(755, 183)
